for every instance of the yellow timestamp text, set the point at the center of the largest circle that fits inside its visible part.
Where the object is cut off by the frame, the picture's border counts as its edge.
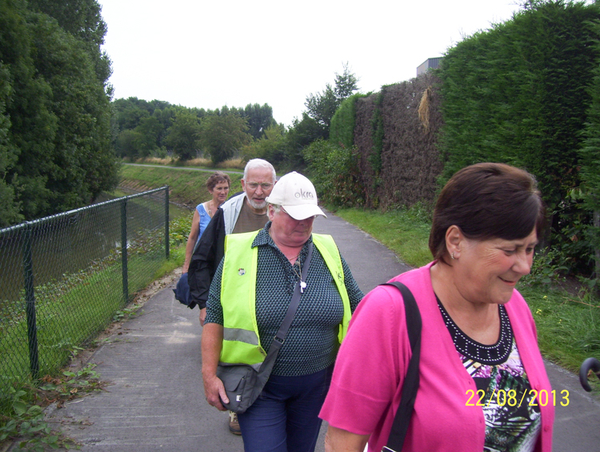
(509, 398)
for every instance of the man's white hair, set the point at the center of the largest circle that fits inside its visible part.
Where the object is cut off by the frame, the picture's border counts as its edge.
(259, 163)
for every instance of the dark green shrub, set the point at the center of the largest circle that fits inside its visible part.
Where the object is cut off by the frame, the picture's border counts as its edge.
(334, 172)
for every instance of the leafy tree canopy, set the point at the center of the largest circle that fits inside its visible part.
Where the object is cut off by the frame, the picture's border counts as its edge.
(260, 117)
(224, 135)
(271, 146)
(184, 135)
(322, 106)
(83, 20)
(55, 151)
(519, 94)
(132, 115)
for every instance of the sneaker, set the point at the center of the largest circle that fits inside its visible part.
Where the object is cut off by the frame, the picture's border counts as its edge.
(234, 425)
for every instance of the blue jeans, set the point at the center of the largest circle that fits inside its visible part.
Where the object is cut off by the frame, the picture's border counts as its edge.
(284, 418)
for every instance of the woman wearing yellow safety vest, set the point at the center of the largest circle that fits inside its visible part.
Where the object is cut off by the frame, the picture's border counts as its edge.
(248, 300)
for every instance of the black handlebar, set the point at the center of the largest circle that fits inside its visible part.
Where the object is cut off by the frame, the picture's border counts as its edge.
(589, 364)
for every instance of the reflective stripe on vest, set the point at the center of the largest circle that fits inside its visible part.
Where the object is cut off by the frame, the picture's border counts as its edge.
(241, 343)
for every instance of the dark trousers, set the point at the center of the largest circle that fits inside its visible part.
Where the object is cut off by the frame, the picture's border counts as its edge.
(285, 416)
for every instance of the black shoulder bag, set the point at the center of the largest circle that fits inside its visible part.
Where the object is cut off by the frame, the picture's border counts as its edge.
(411, 380)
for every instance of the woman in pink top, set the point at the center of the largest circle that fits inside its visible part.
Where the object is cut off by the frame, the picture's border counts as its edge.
(483, 385)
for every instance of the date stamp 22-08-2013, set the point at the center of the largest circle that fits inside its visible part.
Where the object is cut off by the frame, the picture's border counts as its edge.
(509, 398)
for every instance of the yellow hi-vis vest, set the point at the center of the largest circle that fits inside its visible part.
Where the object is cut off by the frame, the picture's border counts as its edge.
(241, 344)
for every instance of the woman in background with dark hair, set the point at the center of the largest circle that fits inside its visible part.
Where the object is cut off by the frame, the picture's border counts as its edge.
(482, 378)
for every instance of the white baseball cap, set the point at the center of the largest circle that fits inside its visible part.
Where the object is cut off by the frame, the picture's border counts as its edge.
(297, 195)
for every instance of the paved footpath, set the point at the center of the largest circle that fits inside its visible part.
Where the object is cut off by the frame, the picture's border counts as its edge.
(155, 400)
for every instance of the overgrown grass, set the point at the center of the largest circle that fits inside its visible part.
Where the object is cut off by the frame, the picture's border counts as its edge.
(568, 324)
(72, 311)
(232, 164)
(186, 187)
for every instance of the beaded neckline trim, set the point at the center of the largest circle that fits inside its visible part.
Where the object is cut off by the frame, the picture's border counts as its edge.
(485, 354)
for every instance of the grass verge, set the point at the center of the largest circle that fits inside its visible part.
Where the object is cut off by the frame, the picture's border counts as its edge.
(186, 187)
(404, 231)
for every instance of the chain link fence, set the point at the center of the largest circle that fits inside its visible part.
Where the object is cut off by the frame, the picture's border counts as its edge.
(63, 278)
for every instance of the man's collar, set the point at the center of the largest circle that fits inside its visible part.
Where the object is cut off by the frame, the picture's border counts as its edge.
(263, 237)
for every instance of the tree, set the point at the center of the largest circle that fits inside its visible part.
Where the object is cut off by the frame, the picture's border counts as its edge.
(83, 20)
(128, 113)
(345, 84)
(165, 117)
(27, 140)
(335, 173)
(270, 147)
(259, 118)
(152, 120)
(590, 164)
(301, 134)
(518, 94)
(184, 135)
(126, 144)
(322, 106)
(82, 163)
(223, 135)
(9, 208)
(54, 93)
(149, 130)
(341, 132)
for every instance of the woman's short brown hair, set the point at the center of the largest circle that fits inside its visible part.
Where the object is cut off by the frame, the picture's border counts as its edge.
(216, 178)
(487, 200)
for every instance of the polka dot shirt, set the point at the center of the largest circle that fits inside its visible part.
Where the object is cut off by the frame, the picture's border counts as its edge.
(311, 344)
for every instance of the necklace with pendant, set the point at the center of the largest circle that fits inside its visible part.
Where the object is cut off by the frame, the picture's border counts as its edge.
(298, 273)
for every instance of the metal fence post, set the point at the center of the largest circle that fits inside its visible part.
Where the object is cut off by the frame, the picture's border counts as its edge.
(30, 304)
(124, 250)
(167, 220)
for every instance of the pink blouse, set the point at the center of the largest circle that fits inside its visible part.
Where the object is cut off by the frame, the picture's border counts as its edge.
(366, 386)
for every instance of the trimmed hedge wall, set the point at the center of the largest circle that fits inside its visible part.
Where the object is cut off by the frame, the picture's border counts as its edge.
(396, 131)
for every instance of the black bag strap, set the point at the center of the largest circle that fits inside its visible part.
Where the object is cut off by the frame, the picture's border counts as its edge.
(411, 380)
(279, 338)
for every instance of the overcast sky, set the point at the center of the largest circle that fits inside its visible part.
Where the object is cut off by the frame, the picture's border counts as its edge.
(208, 54)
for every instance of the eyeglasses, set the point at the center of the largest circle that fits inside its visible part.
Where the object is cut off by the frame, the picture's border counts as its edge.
(254, 186)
